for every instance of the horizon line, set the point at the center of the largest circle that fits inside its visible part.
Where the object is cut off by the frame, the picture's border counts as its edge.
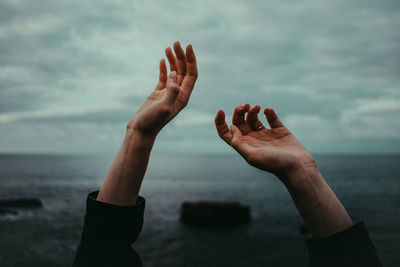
(28, 153)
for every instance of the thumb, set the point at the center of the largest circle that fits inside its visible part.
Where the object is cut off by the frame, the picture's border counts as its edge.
(239, 144)
(236, 133)
(172, 88)
(237, 141)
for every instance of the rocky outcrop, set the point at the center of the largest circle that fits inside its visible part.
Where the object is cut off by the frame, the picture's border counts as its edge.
(214, 214)
(5, 212)
(23, 203)
(26, 203)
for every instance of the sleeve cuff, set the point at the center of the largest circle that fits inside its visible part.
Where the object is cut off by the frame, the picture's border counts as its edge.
(112, 223)
(104, 210)
(351, 243)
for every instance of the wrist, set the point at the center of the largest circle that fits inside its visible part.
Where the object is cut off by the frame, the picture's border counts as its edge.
(302, 174)
(138, 141)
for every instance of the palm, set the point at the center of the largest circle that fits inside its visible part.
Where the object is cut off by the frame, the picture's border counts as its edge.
(279, 138)
(169, 97)
(272, 150)
(150, 114)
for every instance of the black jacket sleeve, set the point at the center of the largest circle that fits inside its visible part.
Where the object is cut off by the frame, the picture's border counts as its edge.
(108, 234)
(351, 247)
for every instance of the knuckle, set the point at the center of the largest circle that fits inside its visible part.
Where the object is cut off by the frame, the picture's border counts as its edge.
(164, 110)
(223, 134)
(174, 89)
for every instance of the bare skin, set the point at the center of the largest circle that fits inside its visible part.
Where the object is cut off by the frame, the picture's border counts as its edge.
(276, 150)
(124, 178)
(169, 97)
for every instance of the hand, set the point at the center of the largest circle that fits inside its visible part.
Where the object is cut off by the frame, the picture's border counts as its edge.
(275, 150)
(171, 94)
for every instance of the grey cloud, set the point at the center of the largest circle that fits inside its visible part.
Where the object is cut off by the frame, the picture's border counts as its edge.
(316, 59)
(98, 117)
(14, 100)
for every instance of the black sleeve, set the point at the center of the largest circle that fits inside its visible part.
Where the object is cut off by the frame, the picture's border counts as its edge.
(351, 247)
(108, 234)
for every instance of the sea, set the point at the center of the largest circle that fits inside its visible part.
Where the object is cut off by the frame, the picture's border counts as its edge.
(367, 185)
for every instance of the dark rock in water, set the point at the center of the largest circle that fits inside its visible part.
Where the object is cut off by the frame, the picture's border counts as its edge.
(214, 214)
(27, 203)
(4, 212)
(304, 230)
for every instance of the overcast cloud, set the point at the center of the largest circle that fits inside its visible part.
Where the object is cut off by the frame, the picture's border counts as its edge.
(73, 72)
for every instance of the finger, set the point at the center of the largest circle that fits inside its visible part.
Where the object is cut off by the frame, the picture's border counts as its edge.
(191, 73)
(171, 59)
(162, 81)
(238, 114)
(272, 118)
(222, 127)
(242, 147)
(172, 89)
(181, 61)
(191, 65)
(252, 117)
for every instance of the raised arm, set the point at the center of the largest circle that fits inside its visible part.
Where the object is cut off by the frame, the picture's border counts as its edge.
(276, 150)
(336, 242)
(171, 95)
(114, 216)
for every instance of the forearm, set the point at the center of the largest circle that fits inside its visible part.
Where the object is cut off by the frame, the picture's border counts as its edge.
(321, 210)
(124, 178)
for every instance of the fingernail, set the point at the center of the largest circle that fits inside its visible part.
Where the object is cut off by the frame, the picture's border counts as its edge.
(173, 76)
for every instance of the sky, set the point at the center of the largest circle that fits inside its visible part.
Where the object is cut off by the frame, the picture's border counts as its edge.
(72, 73)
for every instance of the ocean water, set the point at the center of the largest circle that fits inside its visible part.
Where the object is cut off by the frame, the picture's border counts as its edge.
(368, 185)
